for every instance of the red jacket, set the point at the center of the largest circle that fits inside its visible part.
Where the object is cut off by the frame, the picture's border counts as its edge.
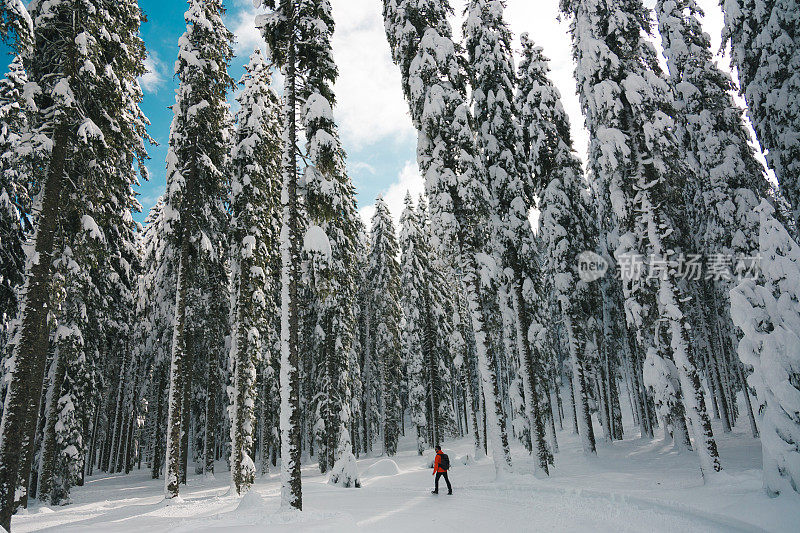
(436, 462)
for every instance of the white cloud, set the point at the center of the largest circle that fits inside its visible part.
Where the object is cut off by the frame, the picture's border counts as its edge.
(408, 181)
(355, 167)
(155, 76)
(370, 104)
(243, 26)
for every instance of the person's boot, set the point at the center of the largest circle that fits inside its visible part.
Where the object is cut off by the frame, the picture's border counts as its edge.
(434, 492)
(450, 493)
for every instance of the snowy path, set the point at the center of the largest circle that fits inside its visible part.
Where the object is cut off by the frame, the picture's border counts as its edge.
(634, 485)
(390, 503)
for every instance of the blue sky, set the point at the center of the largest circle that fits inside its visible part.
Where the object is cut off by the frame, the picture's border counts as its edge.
(377, 155)
(372, 115)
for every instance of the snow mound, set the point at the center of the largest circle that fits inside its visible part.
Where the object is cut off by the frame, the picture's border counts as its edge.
(384, 467)
(251, 503)
(466, 460)
(177, 500)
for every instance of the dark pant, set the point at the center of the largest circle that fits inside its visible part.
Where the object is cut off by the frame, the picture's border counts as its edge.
(446, 479)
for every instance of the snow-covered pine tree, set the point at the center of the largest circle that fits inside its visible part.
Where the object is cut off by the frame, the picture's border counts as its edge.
(493, 81)
(557, 178)
(421, 41)
(196, 190)
(254, 243)
(212, 337)
(299, 35)
(16, 25)
(70, 284)
(386, 314)
(155, 304)
(729, 180)
(330, 200)
(439, 330)
(370, 377)
(767, 310)
(281, 32)
(356, 350)
(764, 37)
(15, 184)
(427, 329)
(412, 278)
(85, 60)
(334, 294)
(633, 153)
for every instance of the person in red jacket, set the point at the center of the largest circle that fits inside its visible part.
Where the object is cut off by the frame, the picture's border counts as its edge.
(440, 470)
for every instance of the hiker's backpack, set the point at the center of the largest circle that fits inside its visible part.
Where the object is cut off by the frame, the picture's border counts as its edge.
(444, 462)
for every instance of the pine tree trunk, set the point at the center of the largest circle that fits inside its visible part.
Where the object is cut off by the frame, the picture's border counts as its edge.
(236, 412)
(572, 380)
(473, 419)
(693, 399)
(583, 418)
(157, 451)
(210, 435)
(291, 484)
(602, 406)
(92, 452)
(263, 423)
(495, 423)
(186, 407)
(116, 438)
(176, 376)
(529, 381)
(746, 392)
(615, 407)
(47, 453)
(21, 406)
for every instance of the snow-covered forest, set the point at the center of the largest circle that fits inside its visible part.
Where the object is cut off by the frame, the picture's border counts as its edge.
(606, 340)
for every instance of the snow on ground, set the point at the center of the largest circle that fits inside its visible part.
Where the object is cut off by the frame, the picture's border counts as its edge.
(633, 485)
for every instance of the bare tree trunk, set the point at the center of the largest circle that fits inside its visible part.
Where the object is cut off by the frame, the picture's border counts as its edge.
(21, 406)
(495, 423)
(529, 381)
(176, 375)
(291, 484)
(211, 414)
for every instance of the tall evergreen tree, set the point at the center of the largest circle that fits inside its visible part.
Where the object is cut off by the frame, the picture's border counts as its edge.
(556, 174)
(85, 60)
(422, 46)
(493, 80)
(196, 190)
(155, 304)
(412, 281)
(636, 159)
(299, 36)
(728, 180)
(764, 36)
(385, 311)
(427, 318)
(15, 193)
(768, 312)
(254, 206)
